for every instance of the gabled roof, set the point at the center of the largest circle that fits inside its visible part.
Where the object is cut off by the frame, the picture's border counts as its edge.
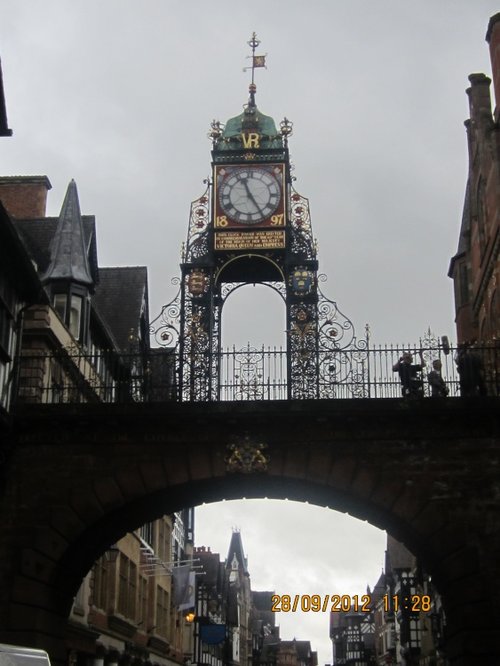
(68, 250)
(236, 549)
(380, 587)
(65, 247)
(302, 648)
(120, 299)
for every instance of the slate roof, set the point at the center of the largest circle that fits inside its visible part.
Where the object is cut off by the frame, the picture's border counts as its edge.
(236, 548)
(15, 262)
(262, 599)
(380, 587)
(37, 235)
(303, 648)
(119, 299)
(464, 237)
(68, 248)
(464, 240)
(262, 613)
(119, 291)
(398, 556)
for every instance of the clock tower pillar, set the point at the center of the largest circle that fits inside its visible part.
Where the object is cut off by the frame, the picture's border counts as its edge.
(251, 227)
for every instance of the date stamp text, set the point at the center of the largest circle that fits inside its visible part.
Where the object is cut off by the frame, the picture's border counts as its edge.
(342, 603)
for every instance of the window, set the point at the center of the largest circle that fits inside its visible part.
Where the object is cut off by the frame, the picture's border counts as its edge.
(164, 540)
(75, 316)
(127, 587)
(101, 582)
(414, 633)
(162, 607)
(72, 318)
(143, 600)
(147, 534)
(60, 301)
(78, 602)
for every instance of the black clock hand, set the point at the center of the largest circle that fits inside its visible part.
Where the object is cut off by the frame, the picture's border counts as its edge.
(250, 195)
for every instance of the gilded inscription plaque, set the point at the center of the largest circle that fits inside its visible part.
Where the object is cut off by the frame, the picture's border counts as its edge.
(250, 240)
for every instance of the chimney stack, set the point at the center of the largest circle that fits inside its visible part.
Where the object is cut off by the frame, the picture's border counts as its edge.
(24, 197)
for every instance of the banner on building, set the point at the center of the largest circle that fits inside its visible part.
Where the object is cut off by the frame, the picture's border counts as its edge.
(184, 587)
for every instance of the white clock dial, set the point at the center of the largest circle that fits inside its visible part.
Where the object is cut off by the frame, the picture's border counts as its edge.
(249, 194)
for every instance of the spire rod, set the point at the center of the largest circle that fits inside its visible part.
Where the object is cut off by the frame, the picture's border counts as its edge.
(253, 43)
(257, 61)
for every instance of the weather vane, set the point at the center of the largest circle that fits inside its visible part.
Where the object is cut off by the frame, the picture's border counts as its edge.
(257, 60)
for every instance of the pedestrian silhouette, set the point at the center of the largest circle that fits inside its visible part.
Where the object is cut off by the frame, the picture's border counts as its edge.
(436, 381)
(410, 375)
(470, 369)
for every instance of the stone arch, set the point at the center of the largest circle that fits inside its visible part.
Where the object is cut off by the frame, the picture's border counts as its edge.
(397, 465)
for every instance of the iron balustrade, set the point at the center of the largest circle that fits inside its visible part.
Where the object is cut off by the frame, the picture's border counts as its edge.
(73, 375)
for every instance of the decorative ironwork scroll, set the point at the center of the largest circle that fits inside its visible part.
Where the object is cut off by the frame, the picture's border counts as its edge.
(301, 240)
(323, 357)
(200, 309)
(165, 328)
(342, 359)
(303, 350)
(199, 217)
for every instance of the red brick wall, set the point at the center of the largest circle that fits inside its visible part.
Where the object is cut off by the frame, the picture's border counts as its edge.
(25, 197)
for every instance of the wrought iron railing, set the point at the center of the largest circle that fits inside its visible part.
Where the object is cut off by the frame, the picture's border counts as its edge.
(75, 376)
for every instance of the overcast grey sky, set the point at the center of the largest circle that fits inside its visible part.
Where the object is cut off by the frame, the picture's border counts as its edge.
(119, 95)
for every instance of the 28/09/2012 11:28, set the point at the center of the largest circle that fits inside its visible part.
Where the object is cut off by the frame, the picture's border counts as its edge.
(342, 603)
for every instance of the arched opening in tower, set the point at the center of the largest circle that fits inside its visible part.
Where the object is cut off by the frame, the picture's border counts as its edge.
(254, 315)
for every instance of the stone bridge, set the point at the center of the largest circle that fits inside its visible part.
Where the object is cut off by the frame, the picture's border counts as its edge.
(75, 478)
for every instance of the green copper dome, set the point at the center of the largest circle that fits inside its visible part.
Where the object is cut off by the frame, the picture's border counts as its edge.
(250, 122)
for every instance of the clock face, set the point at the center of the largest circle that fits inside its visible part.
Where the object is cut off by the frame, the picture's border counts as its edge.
(249, 194)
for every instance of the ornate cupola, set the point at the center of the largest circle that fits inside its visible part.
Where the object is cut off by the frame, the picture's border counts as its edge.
(68, 278)
(250, 227)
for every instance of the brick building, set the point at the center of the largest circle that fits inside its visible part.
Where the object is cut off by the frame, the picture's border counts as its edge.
(475, 268)
(125, 609)
(234, 625)
(403, 623)
(72, 330)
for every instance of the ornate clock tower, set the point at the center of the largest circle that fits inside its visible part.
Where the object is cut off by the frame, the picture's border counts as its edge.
(250, 226)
